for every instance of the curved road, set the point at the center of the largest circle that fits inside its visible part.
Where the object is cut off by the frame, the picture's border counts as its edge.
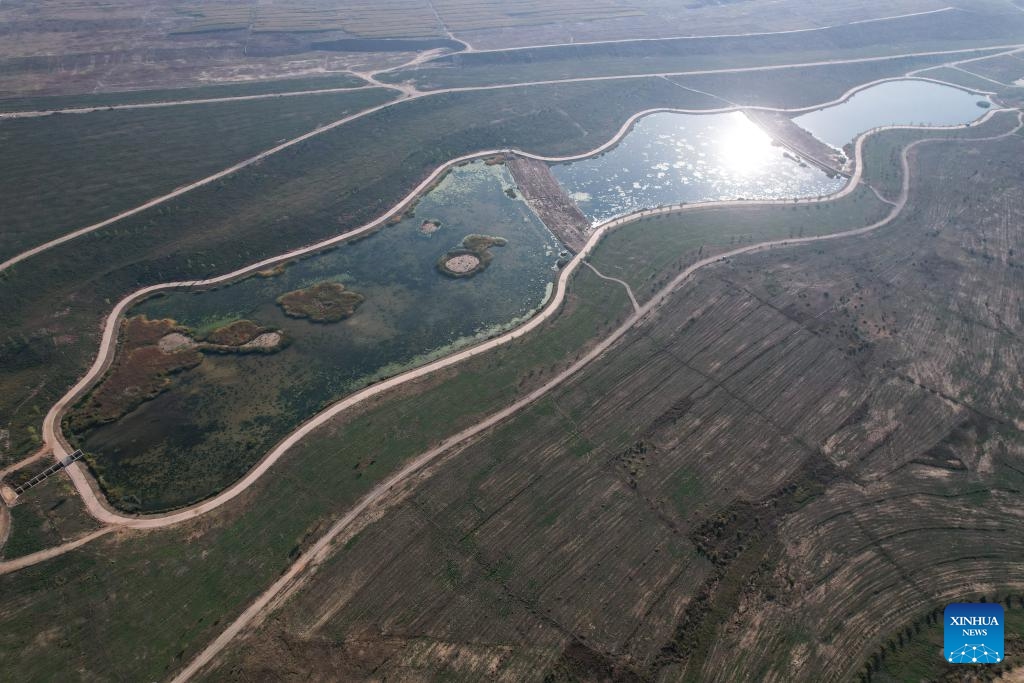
(320, 551)
(96, 504)
(409, 94)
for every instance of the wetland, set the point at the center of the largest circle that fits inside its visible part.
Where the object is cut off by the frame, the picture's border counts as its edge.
(209, 423)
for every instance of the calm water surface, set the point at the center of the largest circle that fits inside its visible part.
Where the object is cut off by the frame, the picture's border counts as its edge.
(672, 158)
(894, 103)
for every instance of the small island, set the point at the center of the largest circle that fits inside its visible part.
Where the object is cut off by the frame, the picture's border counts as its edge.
(471, 257)
(243, 336)
(324, 302)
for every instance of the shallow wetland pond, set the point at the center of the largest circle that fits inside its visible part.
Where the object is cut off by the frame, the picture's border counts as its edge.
(224, 414)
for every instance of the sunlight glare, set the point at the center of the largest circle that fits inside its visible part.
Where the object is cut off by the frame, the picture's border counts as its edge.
(743, 147)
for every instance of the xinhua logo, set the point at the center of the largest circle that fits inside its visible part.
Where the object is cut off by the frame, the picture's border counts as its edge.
(974, 633)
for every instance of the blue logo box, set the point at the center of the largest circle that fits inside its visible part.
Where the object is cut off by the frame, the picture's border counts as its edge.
(973, 633)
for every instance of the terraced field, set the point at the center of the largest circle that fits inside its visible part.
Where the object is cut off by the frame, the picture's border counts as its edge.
(794, 443)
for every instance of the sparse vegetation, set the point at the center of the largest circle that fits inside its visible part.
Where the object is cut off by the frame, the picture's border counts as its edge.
(142, 371)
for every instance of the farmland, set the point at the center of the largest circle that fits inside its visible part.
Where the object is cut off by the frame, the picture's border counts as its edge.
(204, 92)
(793, 444)
(806, 86)
(1005, 69)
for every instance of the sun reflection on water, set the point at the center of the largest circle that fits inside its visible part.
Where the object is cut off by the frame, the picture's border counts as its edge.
(671, 158)
(743, 148)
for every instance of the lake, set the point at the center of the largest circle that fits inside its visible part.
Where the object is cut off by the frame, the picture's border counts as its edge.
(670, 158)
(902, 102)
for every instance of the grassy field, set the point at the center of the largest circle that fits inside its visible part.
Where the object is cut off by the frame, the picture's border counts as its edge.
(211, 569)
(958, 77)
(64, 172)
(1007, 69)
(647, 255)
(311, 191)
(913, 34)
(404, 18)
(795, 444)
(51, 514)
(281, 85)
(803, 86)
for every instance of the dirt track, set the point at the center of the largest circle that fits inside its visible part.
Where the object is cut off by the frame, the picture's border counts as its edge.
(8, 566)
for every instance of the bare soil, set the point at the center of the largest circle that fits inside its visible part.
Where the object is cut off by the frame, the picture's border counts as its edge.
(463, 263)
(804, 145)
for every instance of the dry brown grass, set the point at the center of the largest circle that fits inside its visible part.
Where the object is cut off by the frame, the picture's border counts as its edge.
(140, 372)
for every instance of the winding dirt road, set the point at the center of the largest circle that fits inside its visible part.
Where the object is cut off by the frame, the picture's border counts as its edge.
(629, 290)
(96, 504)
(322, 549)
(94, 501)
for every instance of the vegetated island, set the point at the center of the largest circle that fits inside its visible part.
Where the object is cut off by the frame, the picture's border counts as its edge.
(324, 302)
(151, 353)
(243, 336)
(472, 257)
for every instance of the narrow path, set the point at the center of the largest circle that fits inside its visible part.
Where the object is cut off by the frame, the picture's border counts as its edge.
(188, 188)
(984, 78)
(409, 93)
(24, 462)
(711, 36)
(321, 550)
(179, 103)
(629, 290)
(95, 502)
(878, 194)
(8, 566)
